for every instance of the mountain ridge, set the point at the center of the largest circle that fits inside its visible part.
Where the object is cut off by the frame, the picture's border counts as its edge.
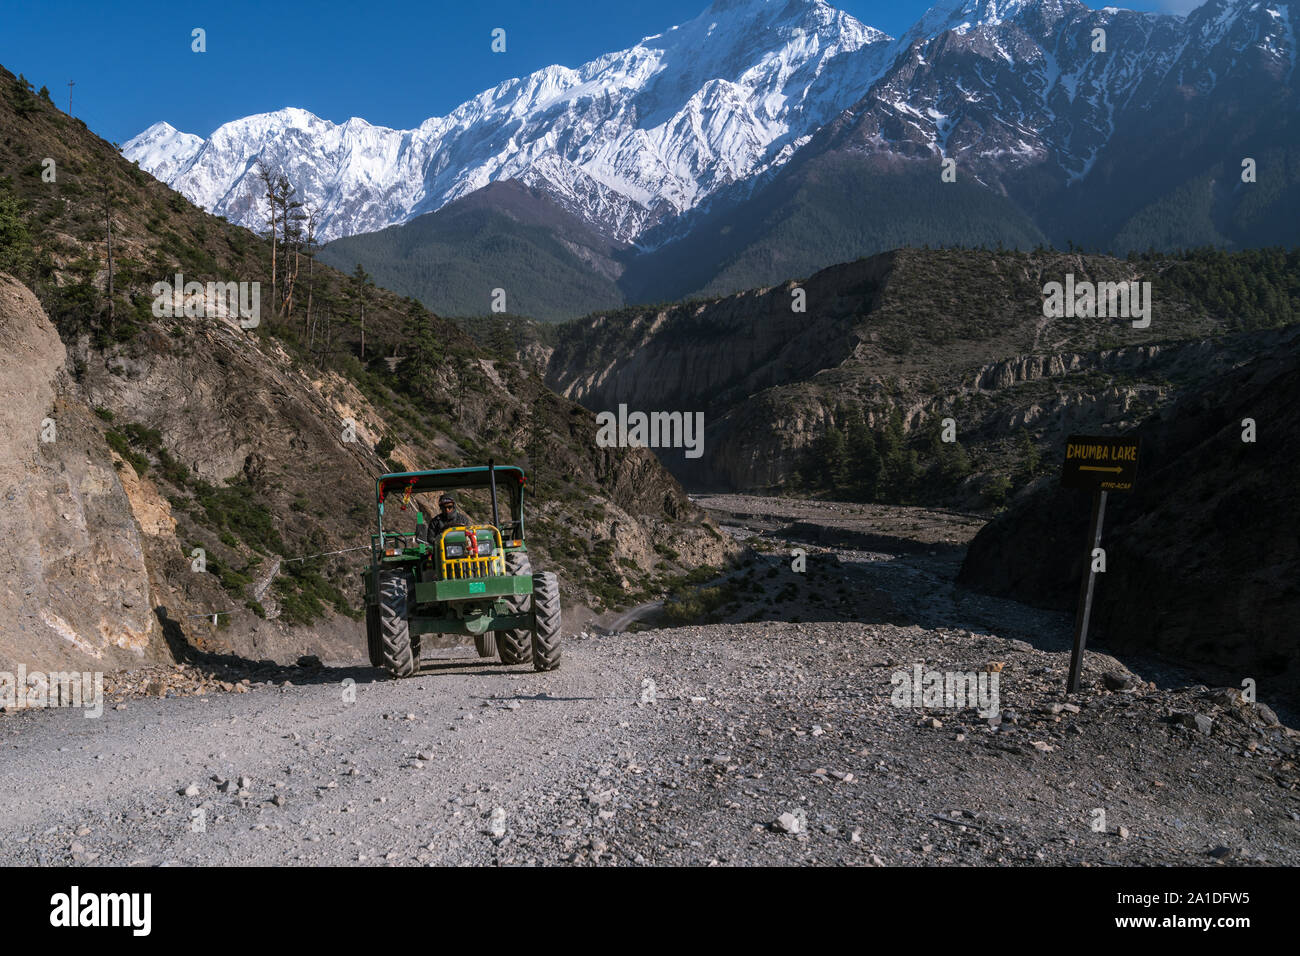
(924, 336)
(640, 134)
(988, 123)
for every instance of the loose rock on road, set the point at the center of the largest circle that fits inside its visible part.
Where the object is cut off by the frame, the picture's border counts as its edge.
(765, 743)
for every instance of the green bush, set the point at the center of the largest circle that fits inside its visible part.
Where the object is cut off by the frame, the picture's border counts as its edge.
(236, 510)
(15, 239)
(305, 596)
(173, 470)
(701, 604)
(150, 438)
(995, 492)
(233, 581)
(122, 445)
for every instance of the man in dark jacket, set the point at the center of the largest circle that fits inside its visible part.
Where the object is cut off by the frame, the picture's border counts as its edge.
(449, 516)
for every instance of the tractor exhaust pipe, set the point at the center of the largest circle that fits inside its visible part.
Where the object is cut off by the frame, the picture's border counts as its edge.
(492, 484)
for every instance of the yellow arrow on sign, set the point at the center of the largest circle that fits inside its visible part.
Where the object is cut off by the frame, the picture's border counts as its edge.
(1116, 469)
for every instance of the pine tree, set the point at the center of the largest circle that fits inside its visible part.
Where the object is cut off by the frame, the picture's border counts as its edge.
(907, 473)
(291, 229)
(832, 452)
(864, 459)
(418, 369)
(890, 440)
(539, 479)
(954, 463)
(15, 239)
(995, 491)
(1027, 457)
(501, 339)
(23, 100)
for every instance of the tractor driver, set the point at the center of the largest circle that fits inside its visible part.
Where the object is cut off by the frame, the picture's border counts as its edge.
(449, 516)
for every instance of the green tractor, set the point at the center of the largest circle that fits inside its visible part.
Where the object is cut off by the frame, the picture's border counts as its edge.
(473, 579)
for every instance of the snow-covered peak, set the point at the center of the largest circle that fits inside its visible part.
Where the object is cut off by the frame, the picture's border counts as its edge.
(623, 140)
(1214, 19)
(162, 149)
(963, 16)
(714, 105)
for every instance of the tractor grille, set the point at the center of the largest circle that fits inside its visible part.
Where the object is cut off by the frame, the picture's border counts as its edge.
(483, 566)
(456, 568)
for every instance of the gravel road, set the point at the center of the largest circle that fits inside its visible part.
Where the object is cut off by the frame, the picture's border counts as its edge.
(762, 742)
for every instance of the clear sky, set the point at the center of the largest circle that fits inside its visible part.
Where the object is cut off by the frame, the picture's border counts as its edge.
(393, 63)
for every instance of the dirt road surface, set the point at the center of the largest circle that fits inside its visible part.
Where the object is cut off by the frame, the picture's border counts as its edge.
(760, 741)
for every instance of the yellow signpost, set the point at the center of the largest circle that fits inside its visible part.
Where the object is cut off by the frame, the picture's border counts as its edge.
(1100, 465)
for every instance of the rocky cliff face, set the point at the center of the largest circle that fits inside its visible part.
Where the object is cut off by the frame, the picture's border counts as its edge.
(926, 335)
(730, 359)
(77, 591)
(717, 353)
(1203, 559)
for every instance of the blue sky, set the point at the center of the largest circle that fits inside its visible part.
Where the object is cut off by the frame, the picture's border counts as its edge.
(393, 63)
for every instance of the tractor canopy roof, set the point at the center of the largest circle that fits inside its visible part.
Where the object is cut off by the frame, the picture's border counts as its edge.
(507, 477)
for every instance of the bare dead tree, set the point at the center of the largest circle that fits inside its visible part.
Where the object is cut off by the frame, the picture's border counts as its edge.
(268, 179)
(361, 282)
(291, 232)
(108, 229)
(309, 247)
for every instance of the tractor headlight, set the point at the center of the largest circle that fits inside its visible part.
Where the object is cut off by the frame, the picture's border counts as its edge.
(455, 551)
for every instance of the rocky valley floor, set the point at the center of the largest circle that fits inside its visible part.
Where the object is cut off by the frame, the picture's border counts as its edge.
(757, 740)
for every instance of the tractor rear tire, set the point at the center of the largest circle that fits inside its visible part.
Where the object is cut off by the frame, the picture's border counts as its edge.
(374, 642)
(516, 645)
(399, 648)
(546, 621)
(486, 644)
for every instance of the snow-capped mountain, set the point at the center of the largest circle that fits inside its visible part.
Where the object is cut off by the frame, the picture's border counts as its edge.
(167, 149)
(714, 137)
(624, 141)
(1056, 139)
(1001, 85)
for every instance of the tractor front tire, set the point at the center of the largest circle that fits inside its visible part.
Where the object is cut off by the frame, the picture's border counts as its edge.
(399, 648)
(486, 644)
(516, 645)
(546, 621)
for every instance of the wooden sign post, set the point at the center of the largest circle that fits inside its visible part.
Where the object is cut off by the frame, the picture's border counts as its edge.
(1099, 465)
